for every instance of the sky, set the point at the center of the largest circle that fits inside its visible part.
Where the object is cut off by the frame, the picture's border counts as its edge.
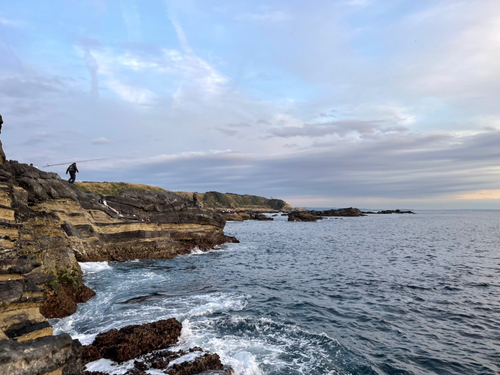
(323, 103)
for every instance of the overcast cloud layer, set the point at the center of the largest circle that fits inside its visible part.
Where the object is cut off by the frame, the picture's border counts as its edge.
(368, 103)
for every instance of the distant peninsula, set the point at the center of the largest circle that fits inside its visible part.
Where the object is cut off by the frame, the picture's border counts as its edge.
(211, 199)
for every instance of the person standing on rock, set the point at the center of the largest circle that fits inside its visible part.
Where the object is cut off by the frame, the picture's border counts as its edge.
(195, 199)
(72, 169)
(1, 122)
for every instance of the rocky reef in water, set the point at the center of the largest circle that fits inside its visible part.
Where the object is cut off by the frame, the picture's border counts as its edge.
(46, 226)
(318, 215)
(389, 212)
(147, 344)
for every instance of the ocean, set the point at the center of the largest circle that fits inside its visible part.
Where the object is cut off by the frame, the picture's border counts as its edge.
(381, 294)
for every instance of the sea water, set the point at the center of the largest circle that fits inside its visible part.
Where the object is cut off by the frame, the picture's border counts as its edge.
(382, 294)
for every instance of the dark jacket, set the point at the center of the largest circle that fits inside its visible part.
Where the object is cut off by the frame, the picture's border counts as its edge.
(72, 168)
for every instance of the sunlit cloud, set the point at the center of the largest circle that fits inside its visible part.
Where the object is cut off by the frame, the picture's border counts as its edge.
(480, 195)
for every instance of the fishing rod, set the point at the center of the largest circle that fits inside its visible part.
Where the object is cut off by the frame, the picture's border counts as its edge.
(81, 161)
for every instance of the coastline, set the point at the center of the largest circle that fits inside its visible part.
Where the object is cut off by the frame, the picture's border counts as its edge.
(48, 226)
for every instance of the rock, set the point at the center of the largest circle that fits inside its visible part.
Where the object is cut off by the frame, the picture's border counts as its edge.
(3, 158)
(22, 265)
(135, 340)
(262, 217)
(194, 361)
(203, 363)
(231, 216)
(63, 302)
(389, 212)
(25, 327)
(302, 216)
(346, 212)
(44, 355)
(40, 278)
(10, 291)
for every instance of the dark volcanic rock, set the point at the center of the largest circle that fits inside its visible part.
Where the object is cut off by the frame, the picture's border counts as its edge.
(302, 216)
(132, 341)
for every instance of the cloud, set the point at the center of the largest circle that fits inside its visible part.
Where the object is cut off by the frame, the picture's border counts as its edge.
(480, 195)
(100, 141)
(275, 16)
(32, 87)
(132, 19)
(11, 23)
(339, 128)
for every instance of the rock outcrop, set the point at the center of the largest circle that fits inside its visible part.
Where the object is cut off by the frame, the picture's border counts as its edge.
(27, 344)
(388, 212)
(43, 215)
(340, 212)
(302, 216)
(313, 215)
(149, 341)
(133, 341)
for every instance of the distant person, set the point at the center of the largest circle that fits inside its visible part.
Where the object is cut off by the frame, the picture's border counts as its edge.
(195, 199)
(1, 122)
(72, 169)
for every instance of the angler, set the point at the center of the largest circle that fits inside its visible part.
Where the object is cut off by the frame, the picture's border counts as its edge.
(72, 169)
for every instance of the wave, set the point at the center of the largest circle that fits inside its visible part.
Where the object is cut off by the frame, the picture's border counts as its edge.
(92, 267)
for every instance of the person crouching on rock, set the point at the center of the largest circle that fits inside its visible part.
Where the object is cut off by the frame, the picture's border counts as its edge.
(72, 169)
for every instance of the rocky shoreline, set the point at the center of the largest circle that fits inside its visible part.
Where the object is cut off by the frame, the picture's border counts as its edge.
(47, 226)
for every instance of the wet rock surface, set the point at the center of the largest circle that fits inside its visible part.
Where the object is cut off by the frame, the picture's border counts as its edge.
(132, 341)
(147, 343)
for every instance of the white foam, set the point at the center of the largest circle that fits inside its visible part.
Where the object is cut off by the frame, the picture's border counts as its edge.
(197, 250)
(110, 367)
(91, 267)
(185, 358)
(219, 302)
